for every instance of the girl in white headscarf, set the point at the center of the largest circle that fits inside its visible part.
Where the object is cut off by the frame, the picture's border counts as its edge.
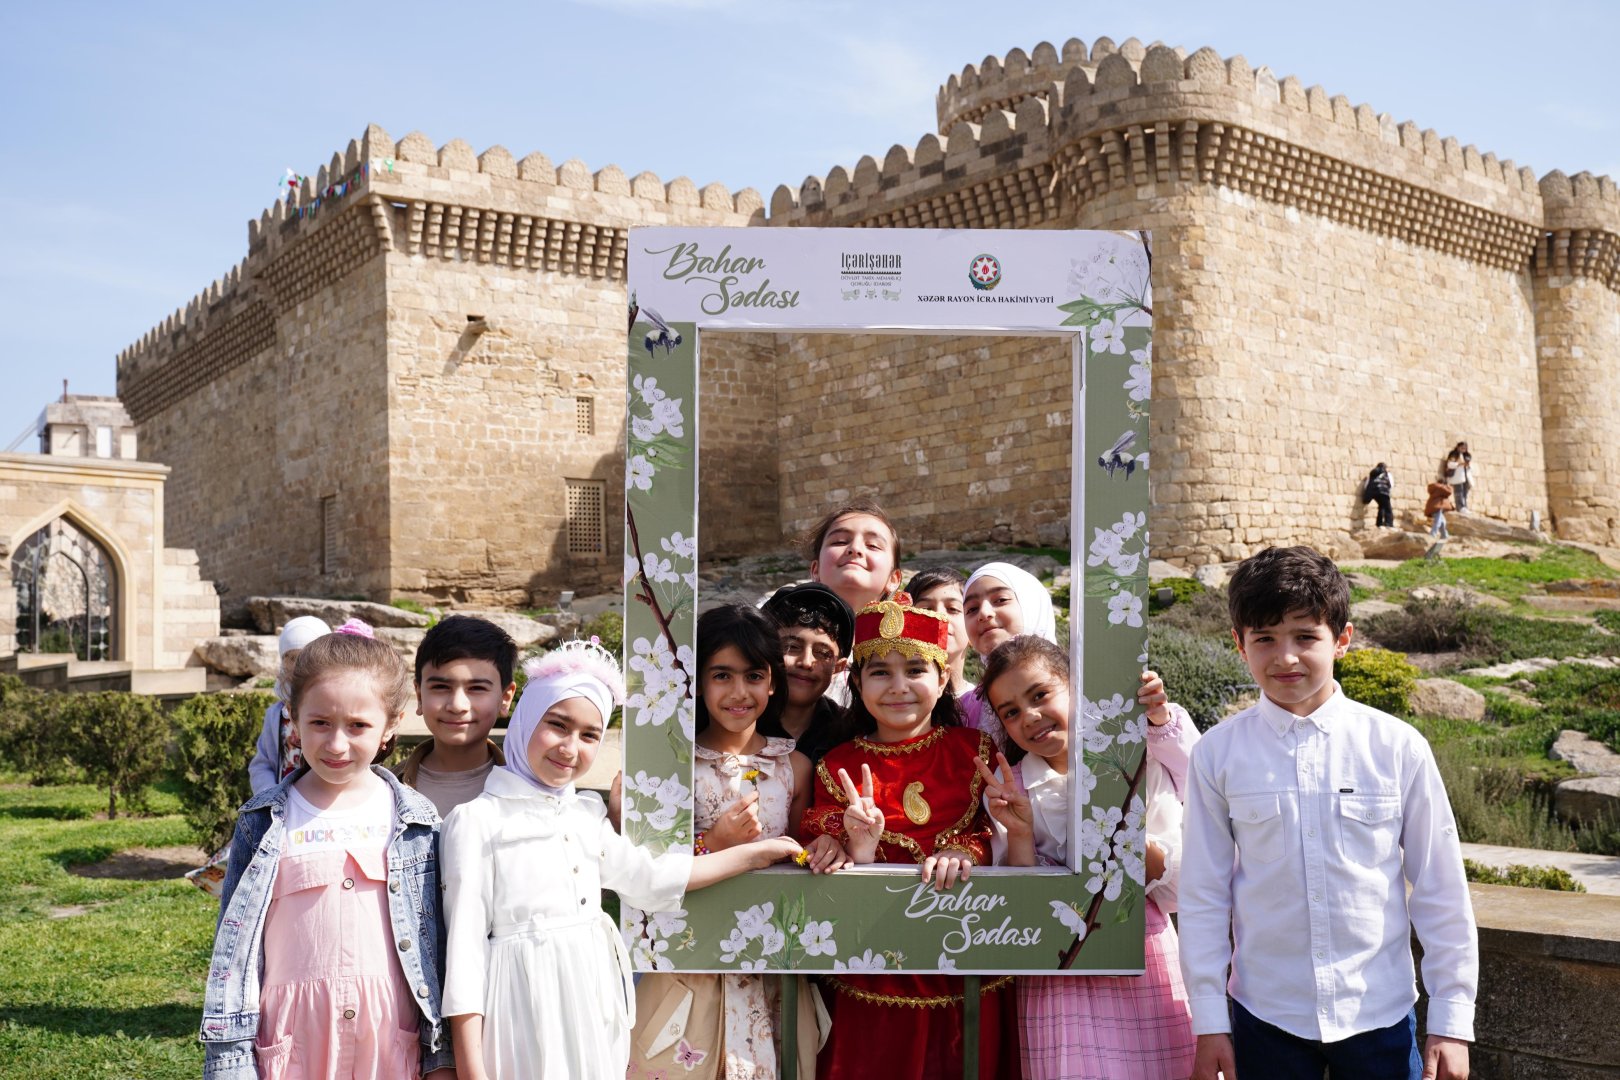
(1002, 601)
(537, 978)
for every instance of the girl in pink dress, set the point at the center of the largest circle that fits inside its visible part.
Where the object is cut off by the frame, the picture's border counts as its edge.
(1078, 1027)
(329, 947)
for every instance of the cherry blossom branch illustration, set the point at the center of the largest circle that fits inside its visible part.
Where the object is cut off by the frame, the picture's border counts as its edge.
(1067, 957)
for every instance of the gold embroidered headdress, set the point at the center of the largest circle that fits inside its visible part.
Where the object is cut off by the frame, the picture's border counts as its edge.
(886, 626)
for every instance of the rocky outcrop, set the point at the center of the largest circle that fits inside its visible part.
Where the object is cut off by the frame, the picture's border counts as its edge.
(523, 630)
(1395, 544)
(1447, 700)
(1585, 753)
(241, 655)
(1588, 801)
(271, 613)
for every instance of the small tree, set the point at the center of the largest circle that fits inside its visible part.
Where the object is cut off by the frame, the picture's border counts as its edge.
(214, 737)
(120, 740)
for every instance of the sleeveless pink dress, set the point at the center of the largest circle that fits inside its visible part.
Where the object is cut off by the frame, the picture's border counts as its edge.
(335, 1003)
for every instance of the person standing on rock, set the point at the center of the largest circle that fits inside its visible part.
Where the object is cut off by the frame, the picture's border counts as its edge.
(1458, 470)
(1377, 490)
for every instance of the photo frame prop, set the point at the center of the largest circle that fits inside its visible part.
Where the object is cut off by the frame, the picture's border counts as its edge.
(1090, 287)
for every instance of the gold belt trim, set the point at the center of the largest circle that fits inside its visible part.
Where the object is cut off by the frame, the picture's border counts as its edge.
(935, 1002)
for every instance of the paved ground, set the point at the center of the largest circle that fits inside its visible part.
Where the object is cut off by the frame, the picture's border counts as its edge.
(1599, 873)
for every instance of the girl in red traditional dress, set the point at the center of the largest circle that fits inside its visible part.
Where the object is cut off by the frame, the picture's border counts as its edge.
(917, 802)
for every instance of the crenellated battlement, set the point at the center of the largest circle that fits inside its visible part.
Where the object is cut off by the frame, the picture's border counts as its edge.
(1582, 236)
(1031, 137)
(1003, 82)
(994, 174)
(419, 200)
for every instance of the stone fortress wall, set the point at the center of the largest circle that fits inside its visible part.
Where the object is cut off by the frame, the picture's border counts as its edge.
(1331, 288)
(385, 396)
(391, 394)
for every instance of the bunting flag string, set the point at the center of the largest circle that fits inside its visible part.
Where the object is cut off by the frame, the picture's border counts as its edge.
(295, 181)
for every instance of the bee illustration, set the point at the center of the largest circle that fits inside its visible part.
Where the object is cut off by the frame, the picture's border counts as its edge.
(1119, 456)
(661, 335)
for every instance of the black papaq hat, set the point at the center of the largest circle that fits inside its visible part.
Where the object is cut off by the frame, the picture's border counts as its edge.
(786, 604)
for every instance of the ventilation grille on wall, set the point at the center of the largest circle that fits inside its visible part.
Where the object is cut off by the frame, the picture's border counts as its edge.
(584, 416)
(585, 513)
(329, 540)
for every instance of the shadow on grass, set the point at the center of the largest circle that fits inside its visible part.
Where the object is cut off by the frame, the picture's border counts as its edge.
(141, 1022)
(45, 810)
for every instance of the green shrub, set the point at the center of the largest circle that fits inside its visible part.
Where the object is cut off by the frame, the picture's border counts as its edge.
(34, 739)
(1482, 634)
(416, 607)
(120, 740)
(609, 626)
(1609, 620)
(1489, 801)
(1441, 624)
(1523, 877)
(1181, 589)
(1202, 613)
(214, 737)
(1203, 674)
(1377, 677)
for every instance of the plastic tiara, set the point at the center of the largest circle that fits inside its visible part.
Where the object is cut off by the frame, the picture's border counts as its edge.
(580, 658)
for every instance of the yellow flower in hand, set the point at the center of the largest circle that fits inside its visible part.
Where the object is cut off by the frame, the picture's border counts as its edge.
(752, 776)
(802, 858)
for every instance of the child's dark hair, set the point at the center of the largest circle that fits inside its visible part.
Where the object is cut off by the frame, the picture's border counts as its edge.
(759, 638)
(335, 653)
(811, 542)
(1272, 584)
(925, 581)
(857, 721)
(467, 637)
(1017, 652)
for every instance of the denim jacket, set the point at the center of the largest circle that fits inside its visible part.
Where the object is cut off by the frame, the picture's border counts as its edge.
(230, 1022)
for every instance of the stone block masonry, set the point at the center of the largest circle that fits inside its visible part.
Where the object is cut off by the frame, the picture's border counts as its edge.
(384, 397)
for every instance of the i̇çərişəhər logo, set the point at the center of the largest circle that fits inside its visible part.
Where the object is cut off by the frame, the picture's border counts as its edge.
(984, 272)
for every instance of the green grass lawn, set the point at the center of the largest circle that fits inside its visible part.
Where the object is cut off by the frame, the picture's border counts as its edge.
(115, 991)
(1508, 579)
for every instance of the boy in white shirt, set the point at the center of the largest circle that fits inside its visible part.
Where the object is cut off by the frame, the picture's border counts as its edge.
(1307, 817)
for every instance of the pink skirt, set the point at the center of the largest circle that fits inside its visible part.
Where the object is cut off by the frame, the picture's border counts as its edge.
(1105, 1027)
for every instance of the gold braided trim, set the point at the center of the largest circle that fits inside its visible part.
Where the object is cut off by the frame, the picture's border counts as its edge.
(835, 790)
(935, 1002)
(891, 749)
(960, 849)
(975, 786)
(910, 648)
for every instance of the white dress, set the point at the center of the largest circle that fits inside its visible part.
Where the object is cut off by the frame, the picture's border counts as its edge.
(529, 946)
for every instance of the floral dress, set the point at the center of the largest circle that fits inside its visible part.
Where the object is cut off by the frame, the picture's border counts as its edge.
(747, 1016)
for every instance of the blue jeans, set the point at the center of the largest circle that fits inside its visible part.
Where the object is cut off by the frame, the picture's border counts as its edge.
(1264, 1051)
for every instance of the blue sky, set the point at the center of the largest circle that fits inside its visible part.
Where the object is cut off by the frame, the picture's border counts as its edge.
(140, 138)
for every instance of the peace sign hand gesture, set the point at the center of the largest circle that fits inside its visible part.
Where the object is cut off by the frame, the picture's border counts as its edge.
(1010, 808)
(863, 821)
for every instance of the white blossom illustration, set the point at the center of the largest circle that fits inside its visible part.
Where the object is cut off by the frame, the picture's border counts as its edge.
(1072, 918)
(866, 961)
(658, 685)
(638, 473)
(1107, 877)
(817, 939)
(1108, 336)
(1125, 607)
(649, 937)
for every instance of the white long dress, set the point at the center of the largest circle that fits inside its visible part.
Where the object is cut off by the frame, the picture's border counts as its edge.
(528, 944)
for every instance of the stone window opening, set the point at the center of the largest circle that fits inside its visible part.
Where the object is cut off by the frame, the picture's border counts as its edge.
(584, 506)
(67, 594)
(329, 538)
(584, 415)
